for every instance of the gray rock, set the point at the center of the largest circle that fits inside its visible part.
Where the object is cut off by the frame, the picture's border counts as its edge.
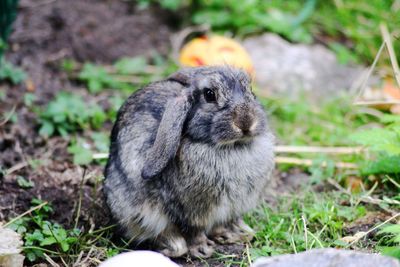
(328, 257)
(284, 67)
(10, 248)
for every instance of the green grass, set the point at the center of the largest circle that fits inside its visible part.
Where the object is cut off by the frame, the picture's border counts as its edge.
(46, 238)
(302, 122)
(297, 222)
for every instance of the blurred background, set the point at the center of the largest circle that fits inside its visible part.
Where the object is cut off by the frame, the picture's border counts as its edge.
(324, 70)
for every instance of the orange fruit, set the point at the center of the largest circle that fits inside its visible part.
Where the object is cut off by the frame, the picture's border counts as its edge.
(215, 50)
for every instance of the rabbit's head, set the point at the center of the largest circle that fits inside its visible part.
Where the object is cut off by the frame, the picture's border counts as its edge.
(217, 107)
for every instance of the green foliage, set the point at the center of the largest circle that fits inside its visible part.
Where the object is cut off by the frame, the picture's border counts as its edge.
(97, 78)
(249, 17)
(126, 74)
(133, 65)
(384, 143)
(24, 183)
(301, 223)
(82, 155)
(68, 113)
(101, 141)
(82, 151)
(300, 122)
(391, 238)
(115, 102)
(358, 21)
(29, 99)
(9, 72)
(41, 235)
(318, 173)
(167, 4)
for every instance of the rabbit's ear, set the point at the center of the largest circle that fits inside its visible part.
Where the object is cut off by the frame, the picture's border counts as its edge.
(168, 136)
(183, 77)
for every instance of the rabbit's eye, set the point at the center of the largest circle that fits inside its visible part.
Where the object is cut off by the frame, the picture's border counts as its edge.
(209, 95)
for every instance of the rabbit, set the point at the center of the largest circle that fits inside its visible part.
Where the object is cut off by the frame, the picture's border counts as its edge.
(189, 155)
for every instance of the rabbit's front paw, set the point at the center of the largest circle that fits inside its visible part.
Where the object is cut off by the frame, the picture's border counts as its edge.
(174, 247)
(235, 232)
(201, 246)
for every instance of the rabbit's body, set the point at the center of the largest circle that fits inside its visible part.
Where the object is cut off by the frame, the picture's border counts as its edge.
(208, 179)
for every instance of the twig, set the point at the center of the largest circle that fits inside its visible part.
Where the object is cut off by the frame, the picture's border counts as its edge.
(110, 69)
(377, 201)
(317, 149)
(280, 160)
(17, 167)
(369, 192)
(309, 162)
(127, 78)
(178, 39)
(78, 212)
(305, 230)
(378, 102)
(373, 229)
(37, 4)
(100, 155)
(392, 54)
(50, 261)
(9, 115)
(25, 213)
(366, 198)
(291, 149)
(338, 186)
(393, 181)
(248, 254)
(370, 70)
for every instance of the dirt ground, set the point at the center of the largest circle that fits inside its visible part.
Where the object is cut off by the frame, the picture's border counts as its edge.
(46, 32)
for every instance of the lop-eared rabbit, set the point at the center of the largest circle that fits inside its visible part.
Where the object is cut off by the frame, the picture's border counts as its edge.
(189, 156)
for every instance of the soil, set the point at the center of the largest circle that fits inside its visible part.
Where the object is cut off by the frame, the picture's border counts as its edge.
(45, 33)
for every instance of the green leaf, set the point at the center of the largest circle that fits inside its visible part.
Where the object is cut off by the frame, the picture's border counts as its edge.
(101, 141)
(10, 72)
(390, 118)
(97, 78)
(47, 208)
(31, 238)
(68, 113)
(31, 256)
(23, 183)
(48, 241)
(131, 65)
(68, 65)
(378, 139)
(64, 246)
(81, 155)
(29, 98)
(391, 229)
(384, 164)
(47, 129)
(391, 251)
(171, 4)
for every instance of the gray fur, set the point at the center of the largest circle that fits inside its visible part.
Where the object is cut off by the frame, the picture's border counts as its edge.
(180, 167)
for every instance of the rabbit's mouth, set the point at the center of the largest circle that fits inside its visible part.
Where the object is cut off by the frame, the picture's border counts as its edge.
(232, 134)
(244, 132)
(243, 140)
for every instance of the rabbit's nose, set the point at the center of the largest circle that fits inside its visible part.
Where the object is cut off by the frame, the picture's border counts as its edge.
(244, 119)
